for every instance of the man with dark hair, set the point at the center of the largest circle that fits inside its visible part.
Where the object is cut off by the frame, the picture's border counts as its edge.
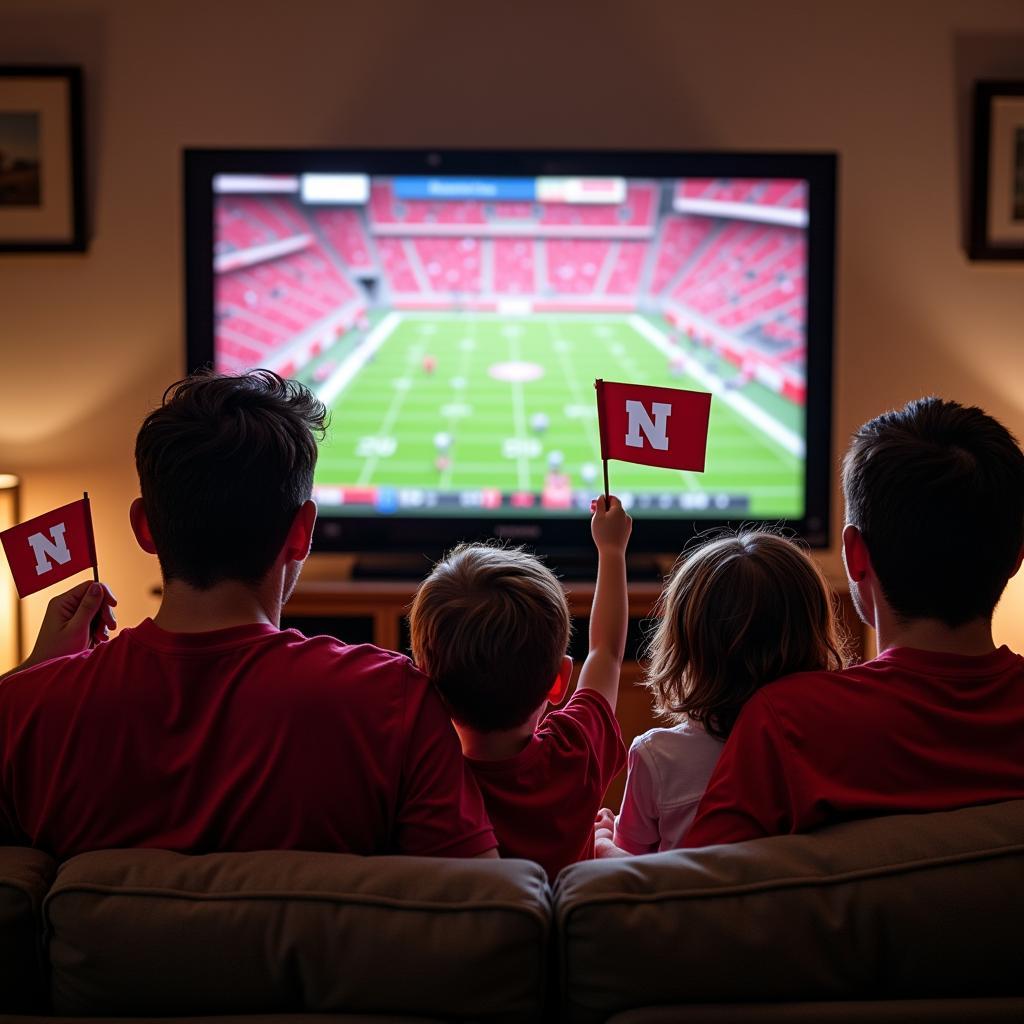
(208, 727)
(935, 529)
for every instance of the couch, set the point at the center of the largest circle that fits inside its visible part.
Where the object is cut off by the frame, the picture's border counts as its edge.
(906, 918)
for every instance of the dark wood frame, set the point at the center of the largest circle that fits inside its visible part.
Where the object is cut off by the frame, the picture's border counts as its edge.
(980, 247)
(76, 241)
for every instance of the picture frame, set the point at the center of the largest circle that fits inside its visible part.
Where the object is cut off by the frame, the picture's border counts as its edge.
(997, 187)
(42, 207)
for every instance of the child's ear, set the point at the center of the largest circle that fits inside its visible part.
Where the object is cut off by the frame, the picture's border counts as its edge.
(557, 692)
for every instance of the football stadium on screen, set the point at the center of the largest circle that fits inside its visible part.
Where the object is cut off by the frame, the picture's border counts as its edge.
(455, 327)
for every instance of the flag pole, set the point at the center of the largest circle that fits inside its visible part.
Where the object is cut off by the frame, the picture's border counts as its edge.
(92, 540)
(97, 619)
(599, 388)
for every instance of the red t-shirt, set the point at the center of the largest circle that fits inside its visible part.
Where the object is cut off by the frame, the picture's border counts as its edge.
(246, 738)
(912, 731)
(544, 799)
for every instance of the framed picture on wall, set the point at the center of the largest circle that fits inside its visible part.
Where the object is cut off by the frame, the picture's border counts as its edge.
(41, 195)
(997, 191)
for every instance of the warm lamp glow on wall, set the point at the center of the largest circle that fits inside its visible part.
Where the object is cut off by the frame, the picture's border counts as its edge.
(10, 603)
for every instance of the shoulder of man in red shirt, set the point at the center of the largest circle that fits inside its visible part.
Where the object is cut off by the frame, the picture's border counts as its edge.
(766, 781)
(769, 779)
(294, 686)
(749, 794)
(815, 748)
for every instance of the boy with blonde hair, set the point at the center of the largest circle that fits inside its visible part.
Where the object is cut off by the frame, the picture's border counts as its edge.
(490, 625)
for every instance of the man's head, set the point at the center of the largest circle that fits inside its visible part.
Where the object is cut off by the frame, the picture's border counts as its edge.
(225, 466)
(490, 625)
(935, 492)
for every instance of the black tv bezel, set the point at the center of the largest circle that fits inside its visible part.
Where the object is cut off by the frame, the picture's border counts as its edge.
(554, 536)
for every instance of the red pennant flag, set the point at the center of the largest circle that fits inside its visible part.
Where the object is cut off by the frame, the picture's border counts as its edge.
(51, 547)
(652, 426)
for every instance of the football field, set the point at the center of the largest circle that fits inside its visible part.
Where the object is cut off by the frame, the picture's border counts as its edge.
(464, 402)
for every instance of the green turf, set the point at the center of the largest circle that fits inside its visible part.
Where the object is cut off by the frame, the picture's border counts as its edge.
(385, 420)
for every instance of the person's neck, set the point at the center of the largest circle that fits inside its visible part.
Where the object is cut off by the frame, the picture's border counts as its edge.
(186, 609)
(495, 746)
(973, 639)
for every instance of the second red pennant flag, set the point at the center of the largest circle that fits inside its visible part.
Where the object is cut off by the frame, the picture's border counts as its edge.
(652, 426)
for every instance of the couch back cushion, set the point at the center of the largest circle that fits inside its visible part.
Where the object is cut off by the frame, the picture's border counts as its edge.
(147, 931)
(899, 907)
(25, 875)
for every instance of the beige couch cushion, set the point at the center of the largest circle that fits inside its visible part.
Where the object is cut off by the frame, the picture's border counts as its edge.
(907, 906)
(25, 875)
(149, 932)
(258, 1018)
(893, 1011)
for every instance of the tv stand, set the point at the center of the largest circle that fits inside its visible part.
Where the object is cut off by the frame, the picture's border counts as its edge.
(332, 599)
(380, 566)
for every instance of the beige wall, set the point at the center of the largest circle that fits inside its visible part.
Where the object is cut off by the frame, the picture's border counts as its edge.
(88, 342)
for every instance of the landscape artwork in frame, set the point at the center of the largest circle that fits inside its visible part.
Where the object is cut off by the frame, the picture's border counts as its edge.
(997, 195)
(41, 202)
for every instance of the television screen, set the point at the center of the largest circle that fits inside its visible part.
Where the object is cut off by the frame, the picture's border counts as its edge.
(454, 320)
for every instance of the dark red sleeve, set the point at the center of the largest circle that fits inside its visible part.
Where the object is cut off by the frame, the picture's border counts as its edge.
(8, 833)
(587, 725)
(440, 811)
(749, 794)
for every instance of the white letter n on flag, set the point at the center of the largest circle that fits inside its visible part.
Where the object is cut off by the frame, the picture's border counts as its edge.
(655, 430)
(44, 549)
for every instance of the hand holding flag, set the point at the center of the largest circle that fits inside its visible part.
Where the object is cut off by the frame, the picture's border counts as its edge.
(47, 550)
(51, 547)
(74, 622)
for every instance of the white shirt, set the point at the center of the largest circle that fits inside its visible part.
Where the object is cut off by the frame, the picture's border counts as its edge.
(668, 771)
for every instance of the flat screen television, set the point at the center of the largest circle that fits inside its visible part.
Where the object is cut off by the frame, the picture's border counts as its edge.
(453, 309)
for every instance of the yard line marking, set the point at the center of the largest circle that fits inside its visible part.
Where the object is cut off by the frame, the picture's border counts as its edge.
(740, 404)
(586, 423)
(357, 359)
(384, 430)
(464, 361)
(519, 415)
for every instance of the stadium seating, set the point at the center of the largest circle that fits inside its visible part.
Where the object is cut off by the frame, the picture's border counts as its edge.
(236, 230)
(514, 260)
(288, 268)
(243, 222)
(753, 192)
(744, 274)
(387, 209)
(681, 237)
(636, 211)
(261, 306)
(574, 264)
(394, 256)
(628, 262)
(344, 230)
(451, 264)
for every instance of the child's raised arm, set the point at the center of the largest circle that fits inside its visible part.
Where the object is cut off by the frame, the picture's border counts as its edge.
(610, 529)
